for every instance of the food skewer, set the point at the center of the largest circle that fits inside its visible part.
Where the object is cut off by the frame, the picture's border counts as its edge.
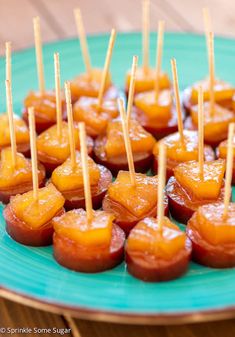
(159, 56)
(11, 122)
(201, 133)
(211, 71)
(132, 89)
(145, 257)
(229, 170)
(87, 241)
(83, 40)
(39, 56)
(58, 94)
(109, 148)
(8, 61)
(145, 34)
(29, 215)
(97, 111)
(68, 177)
(214, 241)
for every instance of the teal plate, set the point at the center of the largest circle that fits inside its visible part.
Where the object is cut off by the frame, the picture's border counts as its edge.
(31, 275)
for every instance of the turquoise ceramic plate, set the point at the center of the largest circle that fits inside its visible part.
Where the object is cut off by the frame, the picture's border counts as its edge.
(31, 276)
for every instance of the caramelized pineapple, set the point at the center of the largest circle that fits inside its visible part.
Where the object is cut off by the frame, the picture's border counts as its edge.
(74, 226)
(88, 84)
(21, 131)
(96, 120)
(138, 199)
(206, 188)
(145, 81)
(33, 213)
(146, 237)
(158, 110)
(66, 178)
(141, 140)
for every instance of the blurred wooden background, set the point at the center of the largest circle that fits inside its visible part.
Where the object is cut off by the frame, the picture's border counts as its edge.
(100, 16)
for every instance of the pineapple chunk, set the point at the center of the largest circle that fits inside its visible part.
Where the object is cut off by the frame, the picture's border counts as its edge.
(85, 110)
(89, 84)
(141, 140)
(147, 238)
(216, 123)
(21, 131)
(160, 109)
(175, 150)
(74, 226)
(138, 199)
(33, 213)
(13, 176)
(222, 90)
(66, 178)
(145, 81)
(222, 149)
(48, 142)
(214, 228)
(208, 188)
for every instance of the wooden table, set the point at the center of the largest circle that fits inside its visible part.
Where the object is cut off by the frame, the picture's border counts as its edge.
(99, 16)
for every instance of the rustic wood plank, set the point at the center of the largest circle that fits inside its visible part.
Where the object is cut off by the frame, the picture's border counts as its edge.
(213, 329)
(16, 23)
(15, 315)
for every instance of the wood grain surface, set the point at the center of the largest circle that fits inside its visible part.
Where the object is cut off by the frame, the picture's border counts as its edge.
(99, 16)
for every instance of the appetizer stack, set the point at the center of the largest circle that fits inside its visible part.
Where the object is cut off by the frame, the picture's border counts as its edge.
(56, 178)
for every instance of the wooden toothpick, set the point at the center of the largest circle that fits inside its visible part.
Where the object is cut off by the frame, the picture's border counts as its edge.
(229, 169)
(131, 89)
(39, 57)
(85, 170)
(127, 141)
(106, 67)
(211, 71)
(8, 61)
(70, 123)
(33, 150)
(161, 184)
(200, 132)
(207, 24)
(83, 40)
(11, 121)
(159, 56)
(177, 100)
(145, 34)
(58, 94)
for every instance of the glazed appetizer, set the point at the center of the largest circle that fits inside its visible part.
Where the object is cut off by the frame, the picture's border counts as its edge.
(223, 93)
(68, 177)
(29, 216)
(156, 249)
(43, 101)
(132, 196)
(221, 152)
(195, 183)
(145, 75)
(156, 112)
(87, 241)
(97, 111)
(181, 146)
(211, 228)
(21, 129)
(109, 149)
(217, 117)
(53, 143)
(88, 84)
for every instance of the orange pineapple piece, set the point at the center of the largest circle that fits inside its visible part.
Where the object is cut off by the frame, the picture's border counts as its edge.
(21, 130)
(145, 81)
(160, 109)
(214, 228)
(74, 225)
(146, 237)
(208, 188)
(222, 149)
(66, 178)
(141, 140)
(33, 213)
